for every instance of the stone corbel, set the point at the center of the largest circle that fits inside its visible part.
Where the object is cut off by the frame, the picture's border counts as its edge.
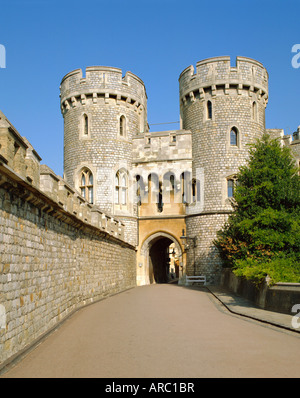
(135, 106)
(251, 91)
(202, 94)
(259, 95)
(213, 90)
(74, 102)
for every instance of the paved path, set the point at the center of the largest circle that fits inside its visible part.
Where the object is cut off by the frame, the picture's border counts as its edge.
(162, 331)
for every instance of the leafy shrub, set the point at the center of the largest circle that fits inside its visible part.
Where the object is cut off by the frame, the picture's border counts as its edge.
(262, 235)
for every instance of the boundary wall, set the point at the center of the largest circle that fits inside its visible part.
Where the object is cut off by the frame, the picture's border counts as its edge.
(58, 253)
(280, 297)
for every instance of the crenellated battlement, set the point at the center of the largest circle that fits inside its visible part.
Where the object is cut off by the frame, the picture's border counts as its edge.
(220, 78)
(21, 172)
(102, 83)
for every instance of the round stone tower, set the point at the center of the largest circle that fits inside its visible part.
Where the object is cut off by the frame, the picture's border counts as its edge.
(102, 111)
(224, 107)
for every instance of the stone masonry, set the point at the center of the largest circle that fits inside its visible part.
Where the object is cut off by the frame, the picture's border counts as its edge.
(58, 253)
(128, 197)
(181, 175)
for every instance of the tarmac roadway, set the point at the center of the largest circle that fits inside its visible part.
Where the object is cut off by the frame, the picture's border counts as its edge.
(166, 331)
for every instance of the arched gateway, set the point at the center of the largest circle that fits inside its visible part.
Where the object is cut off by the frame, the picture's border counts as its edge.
(161, 259)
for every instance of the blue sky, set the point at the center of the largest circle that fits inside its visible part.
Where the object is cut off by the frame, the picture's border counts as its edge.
(156, 40)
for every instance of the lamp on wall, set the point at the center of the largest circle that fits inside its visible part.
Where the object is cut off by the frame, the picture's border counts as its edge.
(184, 239)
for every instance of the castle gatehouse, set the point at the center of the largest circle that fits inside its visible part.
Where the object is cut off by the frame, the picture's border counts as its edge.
(133, 207)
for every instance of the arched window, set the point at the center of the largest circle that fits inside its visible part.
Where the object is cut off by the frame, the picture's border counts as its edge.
(169, 187)
(123, 190)
(153, 188)
(195, 190)
(122, 126)
(121, 187)
(230, 188)
(185, 187)
(138, 193)
(117, 188)
(87, 185)
(234, 136)
(209, 109)
(254, 111)
(85, 125)
(160, 204)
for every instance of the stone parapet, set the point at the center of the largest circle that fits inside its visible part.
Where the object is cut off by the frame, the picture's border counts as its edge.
(58, 252)
(102, 83)
(219, 76)
(162, 146)
(20, 166)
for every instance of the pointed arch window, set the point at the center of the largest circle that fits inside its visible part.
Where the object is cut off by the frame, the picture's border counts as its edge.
(85, 125)
(153, 188)
(122, 126)
(195, 190)
(169, 187)
(232, 182)
(87, 185)
(121, 188)
(254, 111)
(230, 188)
(138, 191)
(234, 136)
(209, 110)
(185, 183)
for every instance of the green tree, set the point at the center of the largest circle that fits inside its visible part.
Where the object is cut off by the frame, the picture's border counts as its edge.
(262, 235)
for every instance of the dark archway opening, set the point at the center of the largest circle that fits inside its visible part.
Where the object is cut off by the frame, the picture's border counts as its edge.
(159, 256)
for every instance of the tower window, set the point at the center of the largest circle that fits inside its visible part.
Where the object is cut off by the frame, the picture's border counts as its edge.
(87, 185)
(195, 190)
(121, 187)
(234, 136)
(230, 188)
(138, 180)
(209, 110)
(122, 126)
(86, 125)
(153, 188)
(185, 182)
(169, 187)
(254, 111)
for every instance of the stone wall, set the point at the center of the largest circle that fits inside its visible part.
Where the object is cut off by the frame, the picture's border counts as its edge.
(279, 298)
(58, 253)
(204, 259)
